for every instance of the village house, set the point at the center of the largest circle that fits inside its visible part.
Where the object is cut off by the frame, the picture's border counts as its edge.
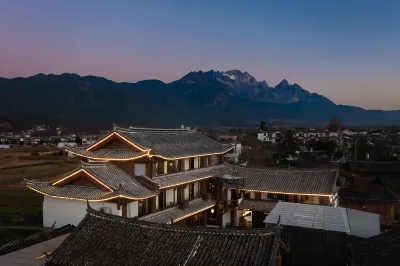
(262, 188)
(140, 172)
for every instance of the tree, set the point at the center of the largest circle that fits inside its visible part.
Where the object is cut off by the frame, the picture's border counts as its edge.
(262, 125)
(361, 148)
(334, 125)
(78, 140)
(290, 141)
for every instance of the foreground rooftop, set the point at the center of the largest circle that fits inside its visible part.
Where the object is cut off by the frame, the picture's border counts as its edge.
(103, 239)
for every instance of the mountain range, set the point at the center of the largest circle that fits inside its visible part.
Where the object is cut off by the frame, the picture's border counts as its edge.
(198, 98)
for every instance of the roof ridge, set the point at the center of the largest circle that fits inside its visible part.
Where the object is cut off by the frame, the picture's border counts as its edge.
(85, 164)
(288, 169)
(191, 171)
(131, 128)
(94, 213)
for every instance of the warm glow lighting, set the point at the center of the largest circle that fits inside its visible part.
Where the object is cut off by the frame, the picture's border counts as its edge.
(84, 171)
(190, 214)
(187, 182)
(212, 210)
(115, 134)
(42, 256)
(287, 193)
(141, 149)
(110, 198)
(198, 155)
(109, 159)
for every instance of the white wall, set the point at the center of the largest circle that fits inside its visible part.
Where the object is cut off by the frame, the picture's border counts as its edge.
(186, 164)
(186, 192)
(316, 200)
(226, 218)
(169, 196)
(65, 211)
(196, 162)
(140, 169)
(157, 202)
(196, 188)
(252, 195)
(132, 209)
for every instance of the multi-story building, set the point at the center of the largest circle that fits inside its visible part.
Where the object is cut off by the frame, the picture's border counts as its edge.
(156, 174)
(175, 175)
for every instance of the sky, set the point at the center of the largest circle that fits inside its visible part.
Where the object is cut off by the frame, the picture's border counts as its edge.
(346, 50)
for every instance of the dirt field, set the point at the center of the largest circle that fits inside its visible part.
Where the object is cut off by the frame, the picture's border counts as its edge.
(13, 169)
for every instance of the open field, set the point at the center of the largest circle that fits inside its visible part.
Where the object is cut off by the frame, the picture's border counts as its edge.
(13, 169)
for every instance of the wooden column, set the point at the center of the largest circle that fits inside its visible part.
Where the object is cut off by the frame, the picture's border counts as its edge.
(153, 204)
(258, 196)
(180, 194)
(153, 168)
(205, 217)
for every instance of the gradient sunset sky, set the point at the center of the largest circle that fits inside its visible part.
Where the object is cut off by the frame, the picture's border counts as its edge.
(347, 50)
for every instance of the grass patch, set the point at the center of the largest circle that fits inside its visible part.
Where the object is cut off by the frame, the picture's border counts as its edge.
(11, 235)
(27, 201)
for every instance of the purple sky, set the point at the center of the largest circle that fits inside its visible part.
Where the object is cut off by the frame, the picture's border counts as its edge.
(346, 50)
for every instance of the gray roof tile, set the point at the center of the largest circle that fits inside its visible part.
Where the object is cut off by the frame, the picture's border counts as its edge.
(257, 205)
(108, 154)
(165, 216)
(172, 143)
(312, 181)
(111, 240)
(190, 175)
(120, 183)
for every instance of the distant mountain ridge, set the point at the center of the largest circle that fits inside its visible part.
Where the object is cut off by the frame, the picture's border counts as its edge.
(198, 98)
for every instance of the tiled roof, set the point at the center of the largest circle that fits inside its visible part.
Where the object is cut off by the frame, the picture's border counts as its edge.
(325, 217)
(34, 239)
(176, 213)
(103, 239)
(109, 174)
(316, 247)
(383, 249)
(257, 205)
(190, 175)
(391, 183)
(108, 154)
(70, 191)
(118, 180)
(313, 181)
(172, 143)
(348, 195)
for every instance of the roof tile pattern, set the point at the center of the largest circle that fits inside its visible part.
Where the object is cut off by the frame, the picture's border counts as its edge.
(257, 205)
(71, 191)
(111, 240)
(365, 196)
(383, 249)
(172, 143)
(191, 175)
(108, 154)
(121, 184)
(174, 213)
(391, 183)
(118, 180)
(314, 181)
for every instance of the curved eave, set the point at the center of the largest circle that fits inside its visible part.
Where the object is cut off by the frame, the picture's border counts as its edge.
(189, 156)
(288, 193)
(119, 135)
(111, 196)
(141, 155)
(185, 182)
